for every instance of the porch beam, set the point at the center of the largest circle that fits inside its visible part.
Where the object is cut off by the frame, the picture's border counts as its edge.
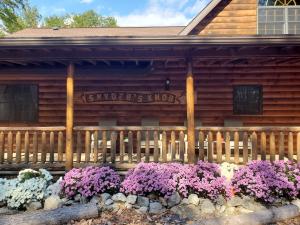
(190, 109)
(70, 116)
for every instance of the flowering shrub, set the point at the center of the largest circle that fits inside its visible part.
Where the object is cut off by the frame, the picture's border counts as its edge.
(90, 181)
(29, 186)
(203, 179)
(268, 182)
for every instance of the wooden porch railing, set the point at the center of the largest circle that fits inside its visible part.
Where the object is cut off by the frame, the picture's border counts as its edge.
(45, 146)
(23, 145)
(130, 144)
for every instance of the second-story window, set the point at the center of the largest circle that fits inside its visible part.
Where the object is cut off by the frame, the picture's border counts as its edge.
(278, 17)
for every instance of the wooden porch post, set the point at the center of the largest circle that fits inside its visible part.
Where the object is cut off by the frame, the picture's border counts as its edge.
(70, 116)
(190, 114)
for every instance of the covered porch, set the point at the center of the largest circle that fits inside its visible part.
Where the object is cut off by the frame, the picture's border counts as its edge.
(80, 82)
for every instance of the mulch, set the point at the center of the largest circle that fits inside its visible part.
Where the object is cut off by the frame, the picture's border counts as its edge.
(130, 217)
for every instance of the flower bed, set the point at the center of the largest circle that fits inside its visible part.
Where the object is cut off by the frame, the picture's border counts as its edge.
(268, 182)
(203, 179)
(90, 181)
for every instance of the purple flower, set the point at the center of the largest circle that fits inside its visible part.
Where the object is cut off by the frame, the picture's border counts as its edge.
(90, 181)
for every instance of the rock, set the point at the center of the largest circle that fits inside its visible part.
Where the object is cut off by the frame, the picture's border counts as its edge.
(53, 202)
(174, 199)
(163, 201)
(143, 210)
(77, 198)
(221, 200)
(109, 202)
(253, 205)
(187, 211)
(193, 199)
(128, 205)
(32, 206)
(142, 201)
(105, 196)
(7, 211)
(83, 200)
(120, 197)
(296, 203)
(185, 201)
(131, 199)
(55, 189)
(155, 207)
(230, 211)
(241, 209)
(95, 200)
(207, 207)
(235, 201)
(221, 208)
(68, 202)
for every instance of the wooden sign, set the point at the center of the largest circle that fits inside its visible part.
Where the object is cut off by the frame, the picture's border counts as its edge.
(141, 97)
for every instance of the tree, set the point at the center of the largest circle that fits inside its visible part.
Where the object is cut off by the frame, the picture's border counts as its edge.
(87, 19)
(21, 17)
(8, 12)
(55, 21)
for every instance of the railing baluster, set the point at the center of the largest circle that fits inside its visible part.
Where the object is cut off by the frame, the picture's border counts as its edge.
(60, 146)
(219, 147)
(122, 147)
(290, 146)
(164, 147)
(272, 147)
(227, 147)
(104, 147)
(130, 146)
(298, 147)
(173, 146)
(254, 145)
(281, 146)
(201, 145)
(52, 147)
(10, 147)
(35, 148)
(26, 146)
(113, 146)
(210, 147)
(43, 148)
(87, 146)
(181, 146)
(96, 149)
(263, 145)
(156, 150)
(138, 146)
(147, 156)
(245, 148)
(2, 144)
(18, 147)
(236, 148)
(78, 147)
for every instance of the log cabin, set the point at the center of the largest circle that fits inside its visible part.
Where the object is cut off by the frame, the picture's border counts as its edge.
(226, 87)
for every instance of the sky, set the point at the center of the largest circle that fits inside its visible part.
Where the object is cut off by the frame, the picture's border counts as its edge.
(129, 12)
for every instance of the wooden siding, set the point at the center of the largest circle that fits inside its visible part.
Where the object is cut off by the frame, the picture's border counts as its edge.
(214, 85)
(230, 17)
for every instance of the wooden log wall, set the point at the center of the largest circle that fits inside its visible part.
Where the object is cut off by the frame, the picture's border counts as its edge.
(213, 84)
(230, 17)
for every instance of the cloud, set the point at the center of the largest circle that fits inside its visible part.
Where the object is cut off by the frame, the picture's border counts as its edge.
(86, 1)
(162, 13)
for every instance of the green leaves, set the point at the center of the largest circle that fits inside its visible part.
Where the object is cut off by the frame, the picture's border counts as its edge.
(89, 18)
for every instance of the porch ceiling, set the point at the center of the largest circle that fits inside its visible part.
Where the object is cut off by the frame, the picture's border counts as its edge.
(204, 51)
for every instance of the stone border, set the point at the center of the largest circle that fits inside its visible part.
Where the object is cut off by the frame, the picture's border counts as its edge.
(272, 215)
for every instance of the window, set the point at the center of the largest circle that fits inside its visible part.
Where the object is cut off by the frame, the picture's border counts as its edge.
(247, 100)
(18, 103)
(279, 17)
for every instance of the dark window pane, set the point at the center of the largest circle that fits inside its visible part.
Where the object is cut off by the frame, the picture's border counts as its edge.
(18, 103)
(247, 100)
